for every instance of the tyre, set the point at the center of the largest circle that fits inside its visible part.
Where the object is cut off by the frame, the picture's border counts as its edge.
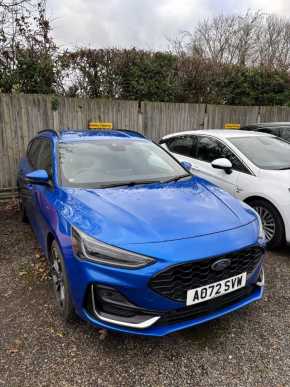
(61, 284)
(23, 215)
(272, 222)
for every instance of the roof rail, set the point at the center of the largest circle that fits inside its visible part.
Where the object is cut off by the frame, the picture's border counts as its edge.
(49, 131)
(71, 130)
(128, 131)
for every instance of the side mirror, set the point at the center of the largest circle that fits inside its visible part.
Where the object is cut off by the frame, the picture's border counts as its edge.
(40, 176)
(186, 165)
(224, 164)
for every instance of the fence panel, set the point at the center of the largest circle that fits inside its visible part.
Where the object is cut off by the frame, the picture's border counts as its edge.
(219, 115)
(22, 116)
(275, 113)
(161, 118)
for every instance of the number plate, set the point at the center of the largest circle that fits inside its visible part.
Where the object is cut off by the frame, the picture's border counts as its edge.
(205, 293)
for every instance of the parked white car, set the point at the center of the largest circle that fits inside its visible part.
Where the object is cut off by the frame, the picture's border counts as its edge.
(252, 166)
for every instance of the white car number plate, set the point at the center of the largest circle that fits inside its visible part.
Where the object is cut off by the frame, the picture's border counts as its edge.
(205, 293)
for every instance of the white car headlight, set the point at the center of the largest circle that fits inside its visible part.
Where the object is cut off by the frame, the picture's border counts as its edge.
(88, 248)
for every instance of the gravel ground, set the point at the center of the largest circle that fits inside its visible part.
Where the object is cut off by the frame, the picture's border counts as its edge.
(246, 348)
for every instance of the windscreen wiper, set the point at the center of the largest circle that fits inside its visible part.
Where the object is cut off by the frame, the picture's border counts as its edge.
(140, 182)
(129, 183)
(176, 178)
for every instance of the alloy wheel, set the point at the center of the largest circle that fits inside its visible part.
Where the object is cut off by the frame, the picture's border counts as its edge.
(268, 222)
(57, 277)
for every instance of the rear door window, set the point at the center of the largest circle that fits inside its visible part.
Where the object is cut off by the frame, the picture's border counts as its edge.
(183, 145)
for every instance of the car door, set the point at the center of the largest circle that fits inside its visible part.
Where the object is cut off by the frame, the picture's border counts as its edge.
(200, 151)
(28, 164)
(41, 193)
(208, 150)
(242, 175)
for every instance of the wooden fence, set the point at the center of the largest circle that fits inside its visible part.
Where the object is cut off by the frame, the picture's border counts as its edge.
(22, 116)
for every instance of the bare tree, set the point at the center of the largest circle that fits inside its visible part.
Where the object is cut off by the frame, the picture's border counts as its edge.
(244, 37)
(253, 39)
(12, 4)
(272, 43)
(224, 39)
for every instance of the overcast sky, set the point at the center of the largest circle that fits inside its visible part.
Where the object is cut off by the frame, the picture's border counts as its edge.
(140, 23)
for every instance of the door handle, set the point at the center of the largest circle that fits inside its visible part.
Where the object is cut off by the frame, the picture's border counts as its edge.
(238, 189)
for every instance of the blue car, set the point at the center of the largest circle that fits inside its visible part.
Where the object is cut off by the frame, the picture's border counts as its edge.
(135, 242)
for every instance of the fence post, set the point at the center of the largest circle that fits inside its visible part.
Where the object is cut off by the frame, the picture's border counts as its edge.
(205, 118)
(259, 115)
(140, 117)
(55, 120)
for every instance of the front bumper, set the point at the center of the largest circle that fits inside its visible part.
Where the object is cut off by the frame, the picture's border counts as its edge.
(134, 285)
(155, 314)
(154, 323)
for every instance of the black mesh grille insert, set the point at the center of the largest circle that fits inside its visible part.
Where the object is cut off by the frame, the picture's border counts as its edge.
(203, 308)
(177, 280)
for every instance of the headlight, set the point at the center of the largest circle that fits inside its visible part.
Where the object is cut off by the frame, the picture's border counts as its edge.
(86, 247)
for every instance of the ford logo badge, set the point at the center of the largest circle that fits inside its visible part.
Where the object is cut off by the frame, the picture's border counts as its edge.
(221, 265)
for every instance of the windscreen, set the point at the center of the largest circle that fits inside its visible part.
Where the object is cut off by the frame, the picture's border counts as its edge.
(265, 152)
(103, 162)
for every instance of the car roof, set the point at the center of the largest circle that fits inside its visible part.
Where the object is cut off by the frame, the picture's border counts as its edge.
(220, 133)
(68, 135)
(268, 124)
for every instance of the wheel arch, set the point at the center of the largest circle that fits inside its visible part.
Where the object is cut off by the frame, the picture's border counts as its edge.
(49, 239)
(249, 199)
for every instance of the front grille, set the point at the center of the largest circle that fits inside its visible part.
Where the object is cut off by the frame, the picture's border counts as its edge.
(195, 311)
(177, 280)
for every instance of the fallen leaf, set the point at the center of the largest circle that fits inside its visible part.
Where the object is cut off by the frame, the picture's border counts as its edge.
(13, 350)
(103, 334)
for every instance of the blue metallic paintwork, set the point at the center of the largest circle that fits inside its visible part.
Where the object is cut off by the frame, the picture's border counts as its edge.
(165, 330)
(38, 176)
(174, 222)
(134, 283)
(176, 210)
